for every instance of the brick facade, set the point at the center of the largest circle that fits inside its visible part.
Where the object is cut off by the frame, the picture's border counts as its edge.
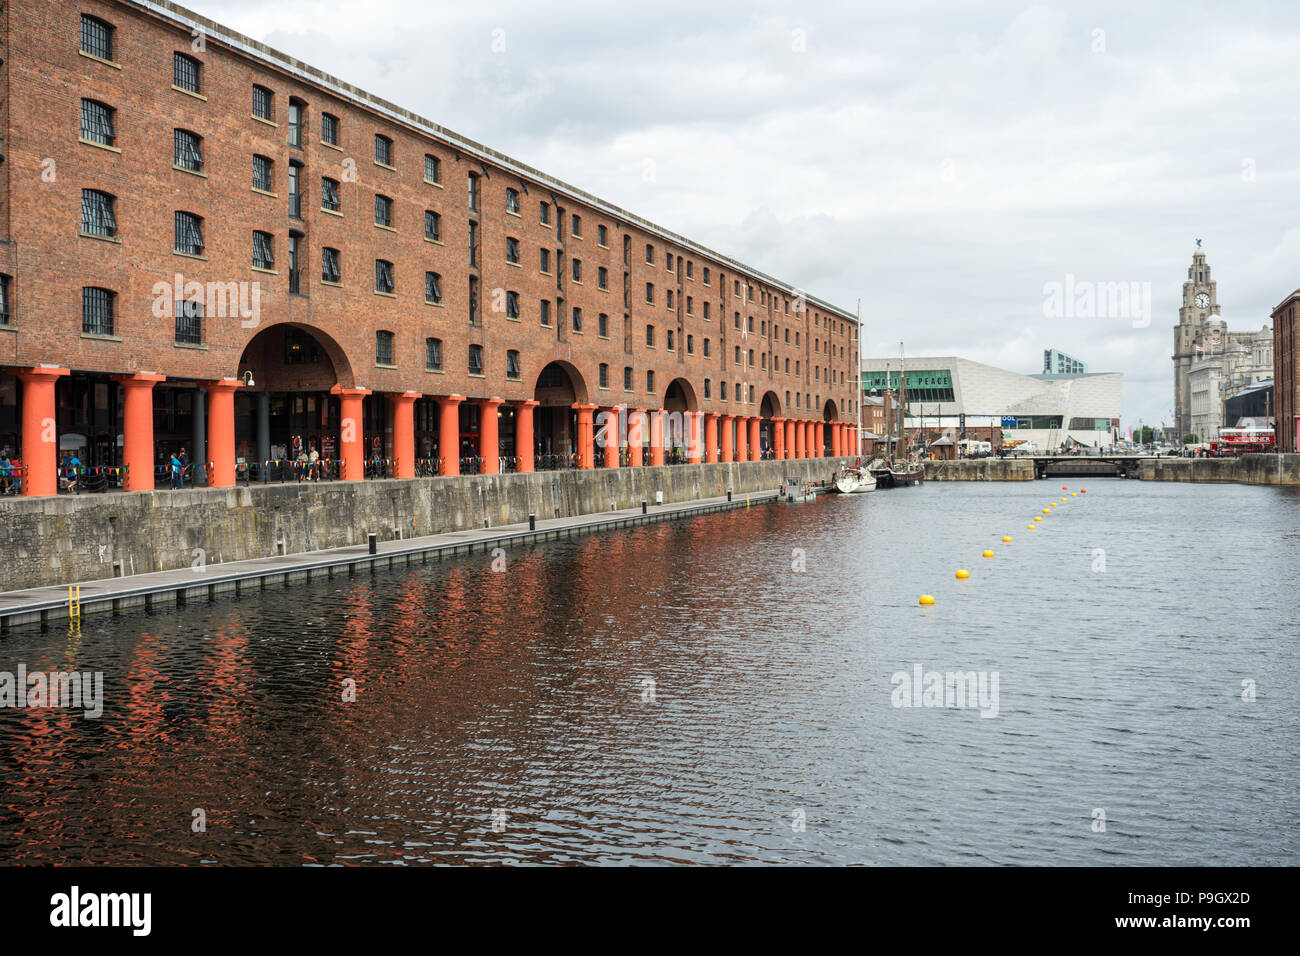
(1286, 373)
(45, 77)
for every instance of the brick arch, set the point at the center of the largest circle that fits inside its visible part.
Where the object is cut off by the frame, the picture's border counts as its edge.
(770, 405)
(689, 398)
(829, 411)
(264, 355)
(577, 384)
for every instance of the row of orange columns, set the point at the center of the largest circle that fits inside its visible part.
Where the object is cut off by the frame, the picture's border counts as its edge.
(792, 439)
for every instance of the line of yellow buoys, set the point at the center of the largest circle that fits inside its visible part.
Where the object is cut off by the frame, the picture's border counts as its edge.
(963, 575)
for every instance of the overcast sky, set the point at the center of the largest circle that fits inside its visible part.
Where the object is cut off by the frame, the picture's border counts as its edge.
(940, 161)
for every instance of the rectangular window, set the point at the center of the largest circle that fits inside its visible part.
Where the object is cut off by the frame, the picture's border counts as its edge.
(5, 312)
(432, 169)
(383, 347)
(383, 211)
(383, 150)
(186, 72)
(329, 265)
(602, 236)
(433, 288)
(384, 277)
(262, 173)
(263, 257)
(189, 234)
(544, 259)
(97, 213)
(432, 225)
(690, 345)
(650, 335)
(545, 210)
(602, 277)
(512, 249)
(650, 381)
(329, 194)
(97, 311)
(577, 226)
(602, 325)
(186, 150)
(649, 253)
(262, 102)
(577, 319)
(473, 192)
(670, 298)
(604, 375)
(96, 37)
(577, 269)
(512, 201)
(97, 122)
(706, 275)
(476, 360)
(512, 305)
(627, 377)
(189, 322)
(671, 342)
(546, 312)
(512, 364)
(433, 354)
(329, 129)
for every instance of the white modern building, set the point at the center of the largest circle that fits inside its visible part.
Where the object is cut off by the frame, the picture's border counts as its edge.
(1047, 411)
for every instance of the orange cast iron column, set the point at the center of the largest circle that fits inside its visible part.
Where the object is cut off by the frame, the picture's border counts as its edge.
(403, 433)
(352, 438)
(742, 438)
(809, 432)
(137, 429)
(489, 438)
(726, 436)
(607, 437)
(778, 438)
(586, 458)
(449, 433)
(657, 437)
(755, 441)
(221, 432)
(40, 433)
(524, 434)
(820, 439)
(636, 424)
(710, 437)
(801, 438)
(694, 437)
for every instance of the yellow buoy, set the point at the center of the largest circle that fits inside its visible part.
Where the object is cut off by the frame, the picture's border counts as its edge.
(1006, 538)
(1074, 494)
(1038, 517)
(1033, 527)
(927, 599)
(988, 554)
(962, 574)
(1047, 511)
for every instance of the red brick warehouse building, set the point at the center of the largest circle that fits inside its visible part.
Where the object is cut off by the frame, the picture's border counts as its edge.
(206, 243)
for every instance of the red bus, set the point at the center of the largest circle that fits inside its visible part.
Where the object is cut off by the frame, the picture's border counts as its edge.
(1241, 441)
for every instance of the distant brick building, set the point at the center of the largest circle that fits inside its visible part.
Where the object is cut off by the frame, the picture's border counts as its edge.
(206, 243)
(1286, 372)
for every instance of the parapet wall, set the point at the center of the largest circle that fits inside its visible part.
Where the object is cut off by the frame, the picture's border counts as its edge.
(57, 540)
(1245, 469)
(980, 469)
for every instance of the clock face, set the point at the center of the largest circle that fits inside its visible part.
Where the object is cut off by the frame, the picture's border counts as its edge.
(1202, 300)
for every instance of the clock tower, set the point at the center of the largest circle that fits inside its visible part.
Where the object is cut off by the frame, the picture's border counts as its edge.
(1199, 324)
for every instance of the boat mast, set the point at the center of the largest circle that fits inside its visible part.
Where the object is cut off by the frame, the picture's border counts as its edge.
(858, 387)
(902, 400)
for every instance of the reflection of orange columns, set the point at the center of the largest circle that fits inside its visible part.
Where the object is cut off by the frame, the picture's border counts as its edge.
(726, 436)
(449, 433)
(221, 432)
(819, 439)
(710, 437)
(524, 434)
(137, 429)
(755, 440)
(694, 437)
(403, 433)
(636, 422)
(40, 433)
(586, 457)
(352, 438)
(799, 447)
(656, 437)
(778, 438)
(608, 434)
(489, 440)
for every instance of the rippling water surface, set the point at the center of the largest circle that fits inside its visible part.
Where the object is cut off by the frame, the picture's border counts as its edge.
(520, 697)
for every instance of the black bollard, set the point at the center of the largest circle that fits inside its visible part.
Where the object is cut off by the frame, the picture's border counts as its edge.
(532, 522)
(728, 494)
(372, 540)
(643, 506)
